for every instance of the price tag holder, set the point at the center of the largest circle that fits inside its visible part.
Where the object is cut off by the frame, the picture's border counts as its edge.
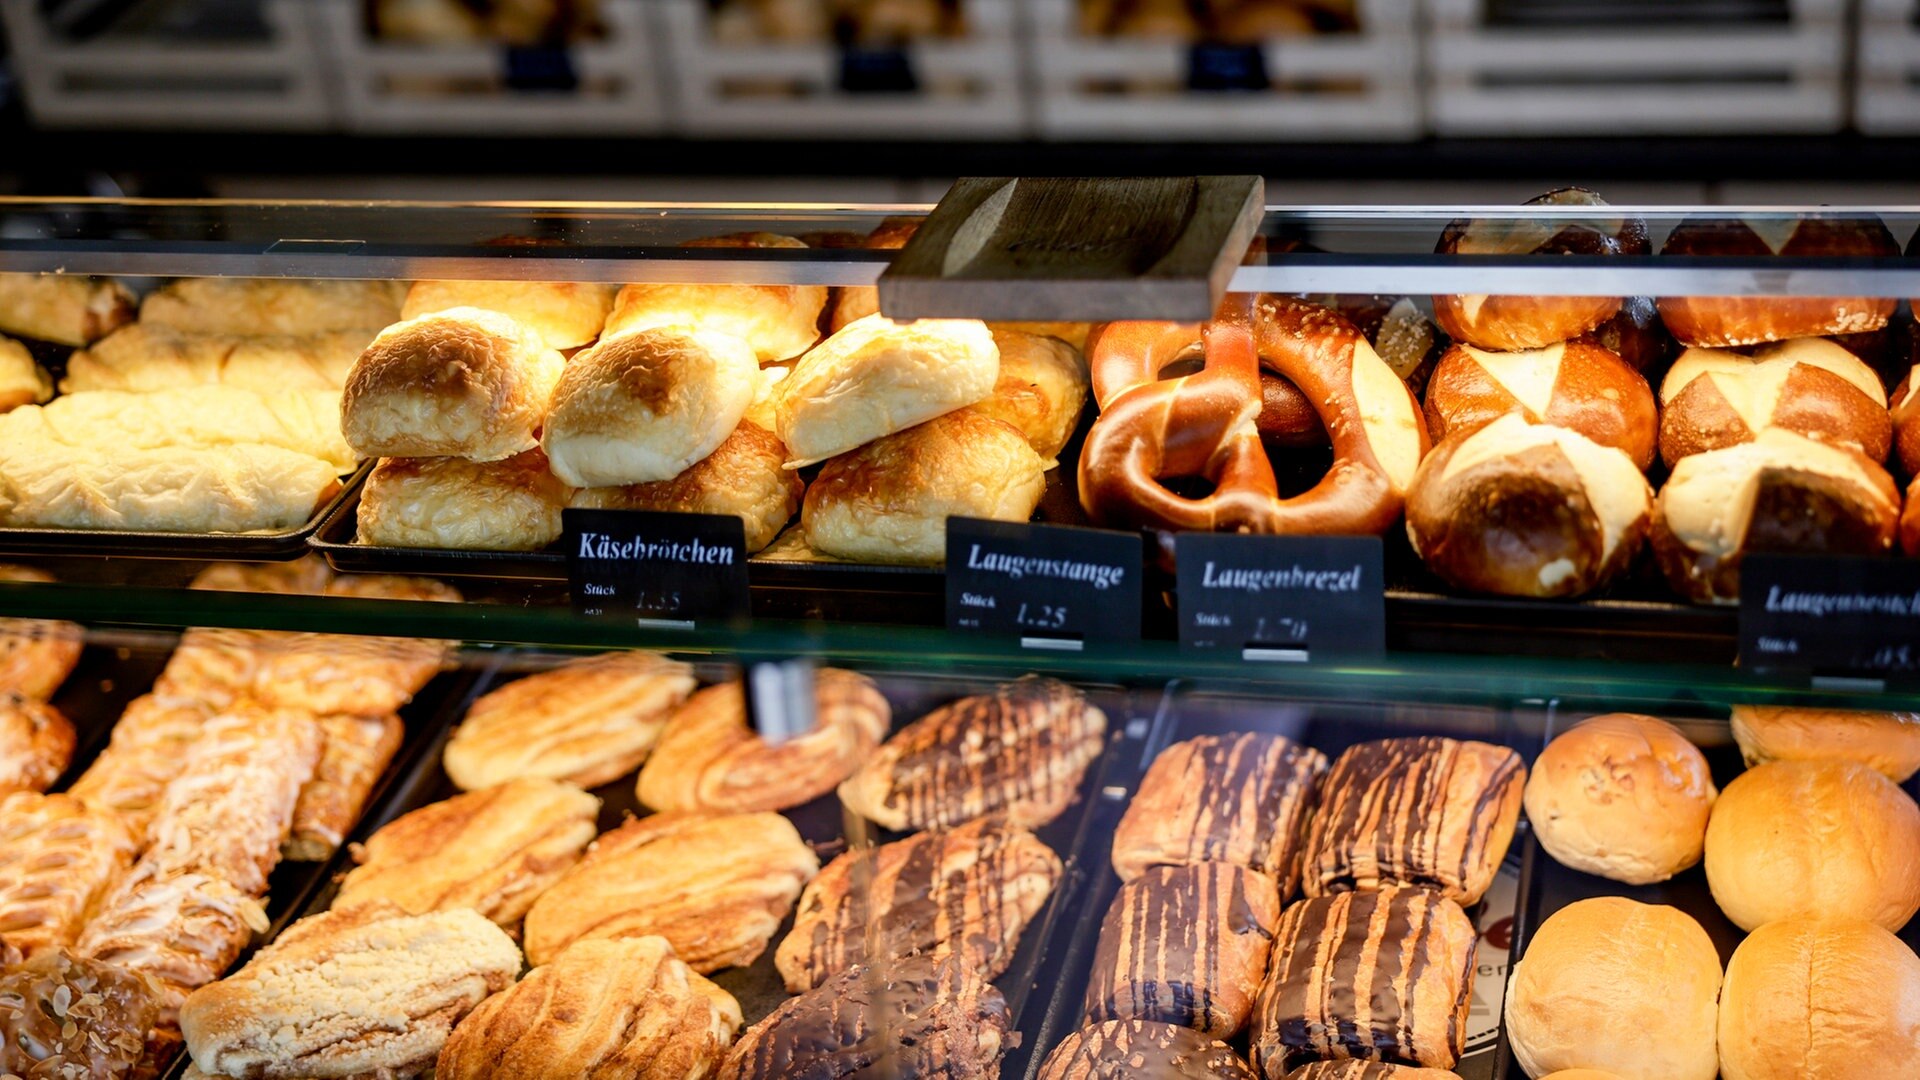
(865, 70)
(1212, 66)
(1828, 616)
(655, 569)
(1052, 586)
(1281, 598)
(540, 67)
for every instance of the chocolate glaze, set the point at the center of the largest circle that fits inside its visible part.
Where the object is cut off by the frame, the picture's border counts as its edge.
(1364, 1070)
(1143, 1050)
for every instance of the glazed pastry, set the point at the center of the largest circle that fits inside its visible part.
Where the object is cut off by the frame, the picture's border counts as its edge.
(450, 502)
(57, 856)
(1019, 751)
(1243, 799)
(921, 1017)
(66, 309)
(709, 759)
(746, 476)
(36, 655)
(1351, 1069)
(969, 891)
(566, 314)
(313, 673)
(36, 742)
(305, 576)
(22, 380)
(492, 850)
(778, 321)
(183, 931)
(1143, 1050)
(587, 722)
(1185, 945)
(355, 751)
(714, 885)
(599, 1010)
(1425, 811)
(66, 1016)
(1410, 947)
(147, 750)
(147, 357)
(284, 306)
(368, 991)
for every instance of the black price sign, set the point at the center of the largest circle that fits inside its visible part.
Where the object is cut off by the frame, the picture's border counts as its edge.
(657, 569)
(1281, 597)
(1052, 586)
(1212, 66)
(1830, 615)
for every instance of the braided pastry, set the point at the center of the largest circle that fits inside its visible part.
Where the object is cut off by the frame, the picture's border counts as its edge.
(57, 856)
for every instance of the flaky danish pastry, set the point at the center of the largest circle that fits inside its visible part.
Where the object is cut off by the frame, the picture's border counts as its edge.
(66, 309)
(745, 476)
(567, 314)
(36, 742)
(22, 380)
(57, 857)
(183, 931)
(36, 655)
(1243, 799)
(355, 751)
(272, 305)
(778, 321)
(448, 502)
(146, 357)
(146, 751)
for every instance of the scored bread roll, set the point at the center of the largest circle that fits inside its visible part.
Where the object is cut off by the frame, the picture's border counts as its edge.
(1906, 421)
(1720, 321)
(147, 358)
(852, 303)
(1614, 984)
(777, 321)
(566, 314)
(745, 476)
(1622, 796)
(889, 501)
(1713, 398)
(1820, 999)
(460, 383)
(449, 502)
(63, 308)
(647, 405)
(1042, 388)
(1821, 838)
(1782, 492)
(271, 305)
(1522, 509)
(1571, 384)
(1887, 742)
(22, 380)
(878, 377)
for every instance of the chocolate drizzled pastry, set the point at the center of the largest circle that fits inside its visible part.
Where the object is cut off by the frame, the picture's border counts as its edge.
(1019, 751)
(67, 1017)
(1143, 1050)
(1426, 811)
(1382, 976)
(915, 1019)
(970, 890)
(1243, 799)
(1366, 1070)
(1185, 945)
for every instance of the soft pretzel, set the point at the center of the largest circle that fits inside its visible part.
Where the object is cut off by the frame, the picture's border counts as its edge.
(1203, 425)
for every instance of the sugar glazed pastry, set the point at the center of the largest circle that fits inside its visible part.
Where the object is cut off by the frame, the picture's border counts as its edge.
(1411, 946)
(1041, 390)
(1887, 742)
(566, 314)
(449, 502)
(36, 743)
(36, 655)
(707, 758)
(715, 885)
(148, 357)
(459, 383)
(271, 306)
(22, 380)
(366, 991)
(65, 309)
(778, 322)
(1143, 1050)
(1820, 997)
(1426, 811)
(355, 751)
(746, 476)
(1622, 796)
(587, 722)
(492, 850)
(1243, 799)
(918, 1017)
(1185, 945)
(1575, 385)
(66, 1016)
(1721, 321)
(889, 500)
(968, 891)
(57, 857)
(314, 673)
(146, 751)
(1018, 752)
(181, 930)
(1715, 398)
(599, 1010)
(1351, 1069)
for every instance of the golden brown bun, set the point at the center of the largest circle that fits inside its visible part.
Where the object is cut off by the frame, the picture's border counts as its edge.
(1525, 509)
(1906, 420)
(1572, 384)
(1831, 839)
(878, 377)
(889, 501)
(459, 383)
(746, 476)
(1622, 796)
(777, 321)
(1713, 398)
(566, 314)
(1042, 388)
(271, 306)
(22, 380)
(450, 502)
(1782, 492)
(1820, 999)
(145, 358)
(1720, 321)
(1253, 22)
(1619, 985)
(63, 308)
(647, 405)
(854, 302)
(1888, 742)
(600, 1009)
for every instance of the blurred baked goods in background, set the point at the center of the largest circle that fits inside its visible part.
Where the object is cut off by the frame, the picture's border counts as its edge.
(1230, 21)
(506, 22)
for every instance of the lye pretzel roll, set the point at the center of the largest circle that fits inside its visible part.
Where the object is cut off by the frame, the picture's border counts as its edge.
(1714, 398)
(1906, 422)
(1202, 425)
(1529, 322)
(1573, 384)
(1720, 321)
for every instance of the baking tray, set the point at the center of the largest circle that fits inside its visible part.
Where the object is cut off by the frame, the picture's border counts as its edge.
(1330, 727)
(821, 823)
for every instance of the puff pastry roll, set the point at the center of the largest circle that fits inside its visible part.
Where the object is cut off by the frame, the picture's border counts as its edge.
(1143, 1050)
(1019, 751)
(206, 417)
(1425, 811)
(57, 857)
(1384, 976)
(709, 759)
(62, 308)
(22, 380)
(513, 504)
(1243, 799)
(587, 722)
(146, 751)
(305, 576)
(36, 655)
(63, 1016)
(493, 850)
(272, 306)
(355, 751)
(715, 885)
(36, 742)
(600, 1010)
(313, 673)
(147, 357)
(1185, 945)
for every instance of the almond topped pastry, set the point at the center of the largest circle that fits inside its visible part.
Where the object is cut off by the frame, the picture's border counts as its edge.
(36, 655)
(57, 856)
(68, 1017)
(355, 752)
(147, 750)
(181, 930)
(36, 742)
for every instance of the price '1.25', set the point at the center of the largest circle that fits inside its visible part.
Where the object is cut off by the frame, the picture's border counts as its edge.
(1041, 616)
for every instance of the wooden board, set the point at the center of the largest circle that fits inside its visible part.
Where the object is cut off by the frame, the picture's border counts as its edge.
(1076, 250)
